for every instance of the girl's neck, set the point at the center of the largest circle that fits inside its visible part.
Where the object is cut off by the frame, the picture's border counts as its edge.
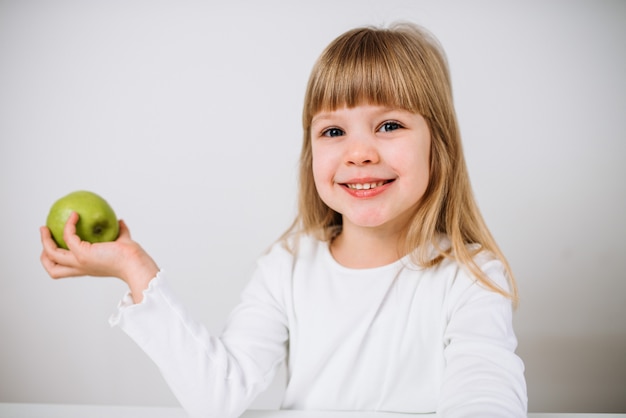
(363, 248)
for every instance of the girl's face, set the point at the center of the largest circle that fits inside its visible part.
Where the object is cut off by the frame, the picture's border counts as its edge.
(371, 164)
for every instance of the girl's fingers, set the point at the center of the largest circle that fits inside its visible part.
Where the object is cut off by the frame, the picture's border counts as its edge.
(55, 270)
(124, 231)
(83, 258)
(50, 248)
(46, 238)
(57, 261)
(69, 231)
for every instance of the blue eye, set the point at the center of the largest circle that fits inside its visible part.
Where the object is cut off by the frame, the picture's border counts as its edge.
(332, 132)
(389, 126)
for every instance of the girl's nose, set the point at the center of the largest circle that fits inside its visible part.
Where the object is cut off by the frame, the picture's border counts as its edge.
(361, 151)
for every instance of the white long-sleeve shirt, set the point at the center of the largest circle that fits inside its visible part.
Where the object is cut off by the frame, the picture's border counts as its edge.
(394, 338)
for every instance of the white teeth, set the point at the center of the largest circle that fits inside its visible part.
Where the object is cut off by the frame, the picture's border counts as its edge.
(365, 186)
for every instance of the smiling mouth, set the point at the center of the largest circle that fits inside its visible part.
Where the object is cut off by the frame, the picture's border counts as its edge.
(366, 186)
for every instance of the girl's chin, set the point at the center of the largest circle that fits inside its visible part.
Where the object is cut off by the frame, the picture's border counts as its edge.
(376, 221)
(363, 222)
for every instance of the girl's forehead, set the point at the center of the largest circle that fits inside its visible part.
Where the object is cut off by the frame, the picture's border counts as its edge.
(362, 110)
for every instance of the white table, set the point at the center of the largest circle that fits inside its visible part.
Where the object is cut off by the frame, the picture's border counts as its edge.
(34, 410)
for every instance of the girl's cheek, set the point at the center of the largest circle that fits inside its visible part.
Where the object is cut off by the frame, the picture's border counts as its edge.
(320, 161)
(320, 175)
(316, 169)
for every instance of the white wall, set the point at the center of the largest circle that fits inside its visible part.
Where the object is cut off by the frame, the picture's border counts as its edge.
(185, 116)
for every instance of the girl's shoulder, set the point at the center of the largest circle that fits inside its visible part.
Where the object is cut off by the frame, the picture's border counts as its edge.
(298, 243)
(442, 245)
(466, 282)
(457, 273)
(293, 247)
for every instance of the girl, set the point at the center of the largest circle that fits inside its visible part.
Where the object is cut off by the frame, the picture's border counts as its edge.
(388, 293)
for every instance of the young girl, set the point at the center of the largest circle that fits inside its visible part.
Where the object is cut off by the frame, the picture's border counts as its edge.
(388, 293)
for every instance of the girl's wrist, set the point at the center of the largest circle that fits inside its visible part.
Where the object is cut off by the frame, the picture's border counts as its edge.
(141, 270)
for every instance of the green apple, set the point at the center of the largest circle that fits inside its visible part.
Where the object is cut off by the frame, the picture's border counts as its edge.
(97, 221)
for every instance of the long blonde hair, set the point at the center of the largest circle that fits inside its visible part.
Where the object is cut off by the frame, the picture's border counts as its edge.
(402, 66)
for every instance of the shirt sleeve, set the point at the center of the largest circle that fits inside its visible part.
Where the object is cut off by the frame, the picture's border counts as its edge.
(483, 376)
(210, 376)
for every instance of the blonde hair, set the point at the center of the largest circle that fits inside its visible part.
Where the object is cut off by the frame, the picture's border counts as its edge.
(402, 66)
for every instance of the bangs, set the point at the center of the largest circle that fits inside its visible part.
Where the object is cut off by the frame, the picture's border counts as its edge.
(378, 67)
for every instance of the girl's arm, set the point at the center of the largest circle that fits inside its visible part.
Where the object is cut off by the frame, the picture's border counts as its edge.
(484, 377)
(122, 258)
(211, 376)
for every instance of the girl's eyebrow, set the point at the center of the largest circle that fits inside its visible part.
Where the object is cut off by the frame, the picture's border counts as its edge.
(328, 115)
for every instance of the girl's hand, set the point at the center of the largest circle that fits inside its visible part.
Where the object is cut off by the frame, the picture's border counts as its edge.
(122, 258)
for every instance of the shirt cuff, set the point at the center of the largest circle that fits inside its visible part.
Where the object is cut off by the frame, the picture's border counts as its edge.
(126, 304)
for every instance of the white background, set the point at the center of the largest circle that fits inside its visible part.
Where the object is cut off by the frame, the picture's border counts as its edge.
(185, 116)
